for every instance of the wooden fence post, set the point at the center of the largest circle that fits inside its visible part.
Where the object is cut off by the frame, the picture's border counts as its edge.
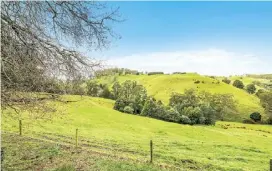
(20, 127)
(270, 164)
(151, 151)
(76, 138)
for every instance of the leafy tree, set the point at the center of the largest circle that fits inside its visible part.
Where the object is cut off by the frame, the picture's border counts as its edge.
(93, 88)
(128, 109)
(150, 107)
(189, 98)
(193, 113)
(209, 114)
(259, 92)
(226, 80)
(266, 100)
(172, 115)
(256, 116)
(106, 93)
(238, 84)
(116, 90)
(120, 104)
(250, 88)
(132, 93)
(223, 104)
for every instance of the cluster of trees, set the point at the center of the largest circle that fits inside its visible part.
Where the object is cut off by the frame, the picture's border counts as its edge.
(130, 97)
(266, 101)
(96, 89)
(179, 72)
(154, 73)
(114, 71)
(250, 88)
(226, 80)
(192, 107)
(262, 76)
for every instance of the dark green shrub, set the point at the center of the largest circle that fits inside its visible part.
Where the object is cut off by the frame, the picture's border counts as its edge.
(259, 92)
(185, 119)
(250, 88)
(120, 104)
(227, 81)
(128, 109)
(197, 82)
(172, 115)
(256, 116)
(238, 84)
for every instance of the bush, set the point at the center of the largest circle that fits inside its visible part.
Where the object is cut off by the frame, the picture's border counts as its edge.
(259, 92)
(250, 88)
(184, 120)
(238, 84)
(197, 82)
(227, 81)
(120, 104)
(256, 116)
(128, 109)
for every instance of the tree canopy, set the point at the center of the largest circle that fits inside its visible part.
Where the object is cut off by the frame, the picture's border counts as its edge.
(32, 42)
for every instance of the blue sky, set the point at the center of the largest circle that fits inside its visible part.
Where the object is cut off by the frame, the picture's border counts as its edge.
(219, 38)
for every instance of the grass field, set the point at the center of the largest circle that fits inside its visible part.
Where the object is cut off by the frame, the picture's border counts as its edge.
(110, 140)
(161, 87)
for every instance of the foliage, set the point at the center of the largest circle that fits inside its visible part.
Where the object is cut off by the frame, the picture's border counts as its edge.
(179, 72)
(256, 116)
(114, 71)
(98, 90)
(259, 92)
(128, 109)
(266, 100)
(197, 82)
(184, 119)
(250, 88)
(154, 73)
(129, 93)
(226, 80)
(238, 84)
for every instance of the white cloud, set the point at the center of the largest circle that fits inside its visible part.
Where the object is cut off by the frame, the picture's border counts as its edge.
(209, 62)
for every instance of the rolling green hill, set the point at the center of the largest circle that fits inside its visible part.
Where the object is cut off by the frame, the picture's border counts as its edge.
(161, 87)
(110, 140)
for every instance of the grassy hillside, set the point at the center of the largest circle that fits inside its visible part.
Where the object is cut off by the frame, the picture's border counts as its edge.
(161, 87)
(124, 140)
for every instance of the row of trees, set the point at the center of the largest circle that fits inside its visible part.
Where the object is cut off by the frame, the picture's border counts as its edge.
(114, 71)
(192, 107)
(250, 88)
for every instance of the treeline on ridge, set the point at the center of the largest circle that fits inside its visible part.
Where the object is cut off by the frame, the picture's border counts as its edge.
(125, 71)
